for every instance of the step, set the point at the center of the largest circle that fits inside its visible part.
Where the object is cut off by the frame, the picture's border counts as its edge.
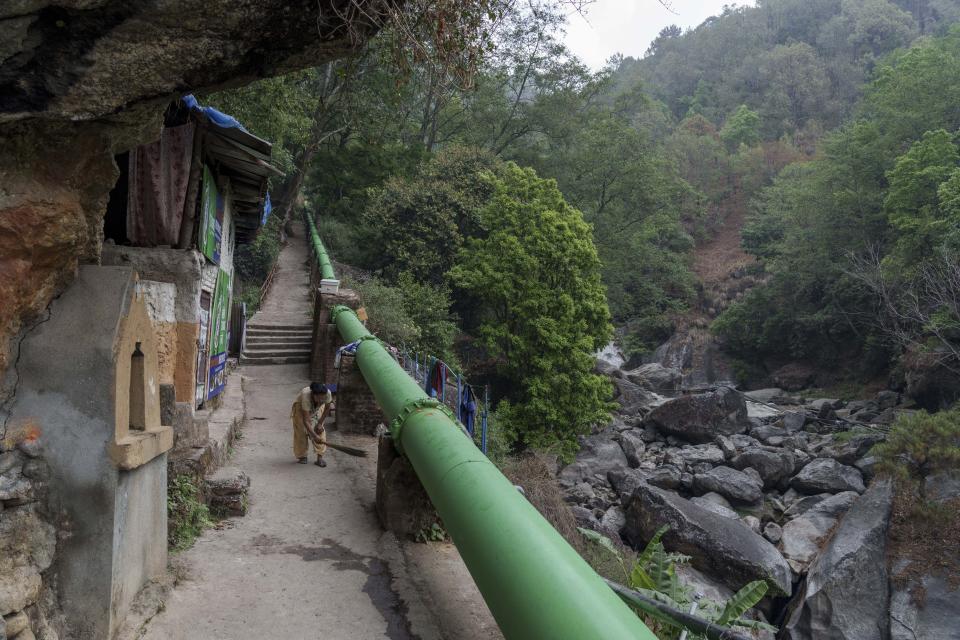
(280, 337)
(280, 333)
(306, 343)
(275, 359)
(279, 327)
(279, 349)
(276, 348)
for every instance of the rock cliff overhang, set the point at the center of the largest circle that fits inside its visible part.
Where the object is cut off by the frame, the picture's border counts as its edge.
(86, 59)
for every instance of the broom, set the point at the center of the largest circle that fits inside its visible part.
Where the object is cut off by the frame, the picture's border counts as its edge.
(350, 451)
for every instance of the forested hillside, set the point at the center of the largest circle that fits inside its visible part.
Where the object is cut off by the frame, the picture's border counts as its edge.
(800, 125)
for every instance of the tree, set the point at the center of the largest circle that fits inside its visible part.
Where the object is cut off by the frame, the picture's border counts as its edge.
(535, 280)
(913, 199)
(741, 128)
(420, 223)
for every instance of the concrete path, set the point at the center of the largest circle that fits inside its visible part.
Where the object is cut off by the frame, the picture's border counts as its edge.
(310, 560)
(288, 300)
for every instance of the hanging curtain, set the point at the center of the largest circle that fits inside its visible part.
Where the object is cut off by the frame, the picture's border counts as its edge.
(158, 187)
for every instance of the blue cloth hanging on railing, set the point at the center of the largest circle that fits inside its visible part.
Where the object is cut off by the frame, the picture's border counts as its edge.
(468, 408)
(347, 348)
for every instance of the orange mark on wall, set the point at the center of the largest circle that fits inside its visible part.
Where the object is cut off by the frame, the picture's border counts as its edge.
(23, 430)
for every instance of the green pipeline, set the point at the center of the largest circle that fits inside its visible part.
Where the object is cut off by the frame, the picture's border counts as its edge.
(536, 585)
(323, 260)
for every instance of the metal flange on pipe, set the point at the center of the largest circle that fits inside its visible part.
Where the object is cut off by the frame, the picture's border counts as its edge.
(536, 585)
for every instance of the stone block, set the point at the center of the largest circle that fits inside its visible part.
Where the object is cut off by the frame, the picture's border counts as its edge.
(402, 503)
(226, 492)
(357, 409)
(168, 402)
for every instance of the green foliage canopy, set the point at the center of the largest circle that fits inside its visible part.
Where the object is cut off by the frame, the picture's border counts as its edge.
(535, 279)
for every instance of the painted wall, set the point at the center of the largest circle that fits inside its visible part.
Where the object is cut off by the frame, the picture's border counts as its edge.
(174, 311)
(69, 391)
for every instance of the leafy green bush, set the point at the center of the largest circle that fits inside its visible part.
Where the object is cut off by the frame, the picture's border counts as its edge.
(187, 514)
(413, 315)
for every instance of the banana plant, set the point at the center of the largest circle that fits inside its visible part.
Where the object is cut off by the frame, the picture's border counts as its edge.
(653, 576)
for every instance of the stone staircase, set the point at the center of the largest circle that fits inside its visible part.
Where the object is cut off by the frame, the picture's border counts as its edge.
(281, 332)
(276, 343)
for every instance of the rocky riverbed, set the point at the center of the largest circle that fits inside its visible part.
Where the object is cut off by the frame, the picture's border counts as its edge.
(759, 485)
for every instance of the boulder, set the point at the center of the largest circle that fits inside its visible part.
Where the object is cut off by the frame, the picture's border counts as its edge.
(631, 442)
(819, 403)
(599, 454)
(742, 441)
(827, 413)
(665, 476)
(941, 487)
(716, 503)
(711, 588)
(825, 475)
(794, 421)
(626, 481)
(802, 536)
(845, 594)
(656, 377)
(717, 545)
(867, 467)
(613, 519)
(584, 518)
(709, 454)
(753, 522)
(632, 398)
(853, 449)
(730, 483)
(764, 395)
(774, 466)
(802, 505)
(887, 399)
(763, 433)
(772, 532)
(794, 377)
(606, 368)
(726, 446)
(701, 417)
(938, 616)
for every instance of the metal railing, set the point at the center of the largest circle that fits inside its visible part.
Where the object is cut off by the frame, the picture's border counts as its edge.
(534, 583)
(419, 367)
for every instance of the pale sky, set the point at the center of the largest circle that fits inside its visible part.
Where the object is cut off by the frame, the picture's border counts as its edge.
(628, 26)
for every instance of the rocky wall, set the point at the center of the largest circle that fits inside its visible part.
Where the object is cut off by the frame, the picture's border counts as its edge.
(28, 542)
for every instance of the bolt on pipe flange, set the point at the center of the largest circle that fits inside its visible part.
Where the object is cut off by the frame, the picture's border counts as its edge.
(412, 407)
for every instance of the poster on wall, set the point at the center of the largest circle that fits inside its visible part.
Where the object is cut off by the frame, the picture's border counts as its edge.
(202, 350)
(211, 218)
(219, 335)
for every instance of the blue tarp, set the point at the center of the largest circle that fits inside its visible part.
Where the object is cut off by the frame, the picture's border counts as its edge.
(216, 117)
(225, 121)
(267, 208)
